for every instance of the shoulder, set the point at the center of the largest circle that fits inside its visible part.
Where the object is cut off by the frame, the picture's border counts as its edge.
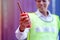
(31, 13)
(54, 15)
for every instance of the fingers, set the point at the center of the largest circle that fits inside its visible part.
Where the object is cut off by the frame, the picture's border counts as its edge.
(25, 20)
(23, 16)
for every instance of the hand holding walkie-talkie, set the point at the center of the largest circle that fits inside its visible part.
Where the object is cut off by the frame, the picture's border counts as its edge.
(24, 19)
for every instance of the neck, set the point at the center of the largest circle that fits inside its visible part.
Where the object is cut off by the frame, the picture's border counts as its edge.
(45, 13)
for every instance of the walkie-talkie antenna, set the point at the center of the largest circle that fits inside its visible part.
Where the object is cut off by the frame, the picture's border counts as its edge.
(19, 7)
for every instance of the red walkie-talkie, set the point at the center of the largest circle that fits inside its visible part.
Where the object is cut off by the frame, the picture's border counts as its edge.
(23, 13)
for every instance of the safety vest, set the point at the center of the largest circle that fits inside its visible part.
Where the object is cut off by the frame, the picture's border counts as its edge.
(41, 30)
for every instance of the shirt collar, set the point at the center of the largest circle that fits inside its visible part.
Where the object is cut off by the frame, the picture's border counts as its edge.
(40, 15)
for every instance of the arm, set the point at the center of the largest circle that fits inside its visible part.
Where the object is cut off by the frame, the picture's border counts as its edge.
(21, 32)
(21, 35)
(23, 29)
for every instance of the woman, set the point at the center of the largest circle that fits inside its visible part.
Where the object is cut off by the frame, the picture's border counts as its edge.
(42, 24)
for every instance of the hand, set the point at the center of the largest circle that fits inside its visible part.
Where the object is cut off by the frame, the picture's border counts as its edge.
(24, 21)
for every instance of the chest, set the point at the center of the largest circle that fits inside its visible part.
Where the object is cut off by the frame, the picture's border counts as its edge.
(38, 25)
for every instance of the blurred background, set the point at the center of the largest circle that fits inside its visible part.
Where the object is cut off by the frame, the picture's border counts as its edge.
(0, 21)
(9, 15)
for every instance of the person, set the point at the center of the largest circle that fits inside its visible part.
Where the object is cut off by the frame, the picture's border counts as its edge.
(39, 25)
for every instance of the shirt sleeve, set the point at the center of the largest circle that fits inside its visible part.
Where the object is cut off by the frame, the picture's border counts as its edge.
(21, 35)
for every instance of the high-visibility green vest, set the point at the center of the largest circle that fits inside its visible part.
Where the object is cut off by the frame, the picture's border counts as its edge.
(41, 30)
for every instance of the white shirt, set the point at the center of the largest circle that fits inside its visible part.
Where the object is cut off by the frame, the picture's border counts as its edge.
(23, 35)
